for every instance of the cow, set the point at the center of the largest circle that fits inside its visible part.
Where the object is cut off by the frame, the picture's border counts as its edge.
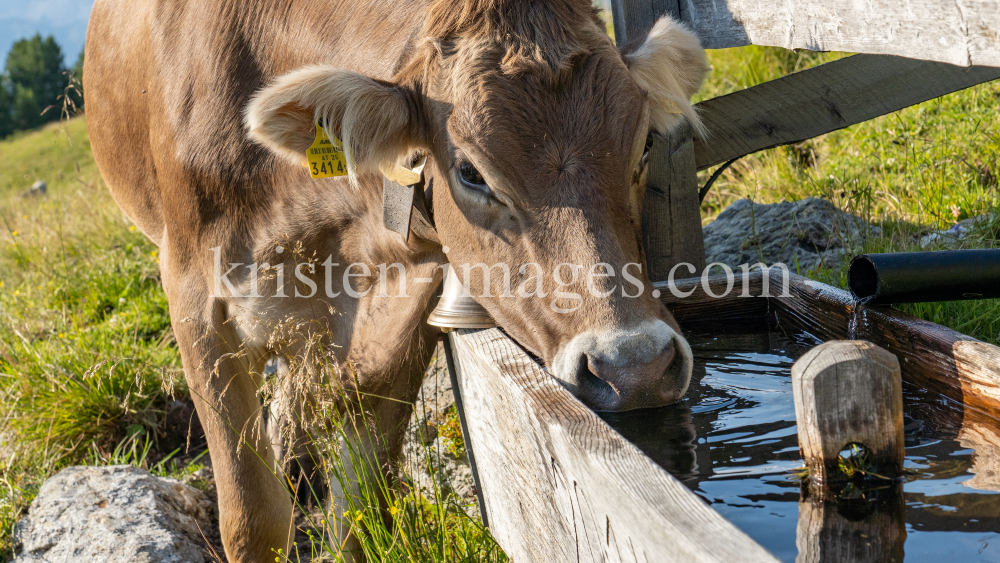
(532, 127)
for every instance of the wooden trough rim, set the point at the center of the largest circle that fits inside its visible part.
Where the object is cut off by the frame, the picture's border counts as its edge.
(559, 484)
(932, 356)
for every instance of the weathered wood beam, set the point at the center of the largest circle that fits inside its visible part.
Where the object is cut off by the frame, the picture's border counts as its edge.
(832, 96)
(671, 216)
(848, 392)
(561, 486)
(962, 33)
(634, 18)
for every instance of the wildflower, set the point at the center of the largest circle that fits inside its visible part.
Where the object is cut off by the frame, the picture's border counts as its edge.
(955, 211)
(131, 228)
(16, 293)
(359, 516)
(14, 233)
(393, 510)
(891, 161)
(62, 335)
(153, 254)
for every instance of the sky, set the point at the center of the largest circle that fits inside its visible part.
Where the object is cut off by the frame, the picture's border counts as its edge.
(64, 19)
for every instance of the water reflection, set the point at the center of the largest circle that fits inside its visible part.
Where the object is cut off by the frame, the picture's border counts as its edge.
(733, 441)
(858, 530)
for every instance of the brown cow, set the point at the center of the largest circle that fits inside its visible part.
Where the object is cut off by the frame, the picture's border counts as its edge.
(533, 125)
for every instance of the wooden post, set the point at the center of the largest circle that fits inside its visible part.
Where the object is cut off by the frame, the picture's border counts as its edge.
(634, 18)
(848, 392)
(671, 222)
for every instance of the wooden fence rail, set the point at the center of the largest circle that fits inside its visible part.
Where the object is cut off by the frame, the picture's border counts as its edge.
(813, 102)
(561, 486)
(962, 32)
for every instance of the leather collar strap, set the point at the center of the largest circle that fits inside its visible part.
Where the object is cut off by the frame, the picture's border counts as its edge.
(402, 194)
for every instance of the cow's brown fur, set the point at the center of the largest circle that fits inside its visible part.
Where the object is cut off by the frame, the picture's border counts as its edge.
(533, 93)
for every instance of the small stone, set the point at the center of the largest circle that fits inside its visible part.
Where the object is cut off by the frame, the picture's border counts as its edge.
(114, 514)
(428, 432)
(954, 235)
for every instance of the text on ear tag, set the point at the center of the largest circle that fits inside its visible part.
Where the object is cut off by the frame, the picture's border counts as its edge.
(323, 158)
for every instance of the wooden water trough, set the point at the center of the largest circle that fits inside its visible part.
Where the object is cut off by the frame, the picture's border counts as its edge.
(558, 484)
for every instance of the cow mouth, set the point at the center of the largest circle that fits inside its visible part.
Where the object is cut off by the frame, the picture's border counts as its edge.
(656, 383)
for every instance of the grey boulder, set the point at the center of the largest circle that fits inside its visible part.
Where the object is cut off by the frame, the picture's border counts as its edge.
(114, 514)
(801, 234)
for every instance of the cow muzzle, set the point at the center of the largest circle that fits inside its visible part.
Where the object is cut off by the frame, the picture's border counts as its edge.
(646, 366)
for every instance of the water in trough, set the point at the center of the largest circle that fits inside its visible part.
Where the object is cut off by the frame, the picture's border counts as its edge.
(733, 441)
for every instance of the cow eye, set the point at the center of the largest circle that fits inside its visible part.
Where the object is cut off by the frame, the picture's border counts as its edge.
(472, 177)
(646, 149)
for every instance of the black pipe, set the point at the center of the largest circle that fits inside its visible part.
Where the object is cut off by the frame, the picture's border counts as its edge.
(919, 277)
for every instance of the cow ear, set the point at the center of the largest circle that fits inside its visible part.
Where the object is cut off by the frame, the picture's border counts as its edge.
(371, 118)
(670, 65)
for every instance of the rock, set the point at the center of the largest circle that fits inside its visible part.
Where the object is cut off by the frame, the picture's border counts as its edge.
(114, 514)
(426, 456)
(955, 235)
(812, 231)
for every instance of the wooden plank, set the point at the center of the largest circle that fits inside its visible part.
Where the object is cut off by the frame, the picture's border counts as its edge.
(671, 221)
(638, 16)
(695, 310)
(816, 101)
(561, 486)
(963, 32)
(848, 392)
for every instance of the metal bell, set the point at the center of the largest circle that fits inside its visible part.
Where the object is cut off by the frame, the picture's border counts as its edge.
(455, 310)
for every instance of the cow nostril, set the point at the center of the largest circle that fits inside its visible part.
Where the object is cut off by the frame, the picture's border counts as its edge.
(590, 381)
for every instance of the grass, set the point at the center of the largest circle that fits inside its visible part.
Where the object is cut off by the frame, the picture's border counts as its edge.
(86, 351)
(88, 364)
(911, 172)
(423, 528)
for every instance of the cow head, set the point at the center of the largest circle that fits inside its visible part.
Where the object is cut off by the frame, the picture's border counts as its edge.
(536, 130)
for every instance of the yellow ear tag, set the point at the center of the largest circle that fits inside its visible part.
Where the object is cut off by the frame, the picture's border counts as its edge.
(671, 106)
(324, 159)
